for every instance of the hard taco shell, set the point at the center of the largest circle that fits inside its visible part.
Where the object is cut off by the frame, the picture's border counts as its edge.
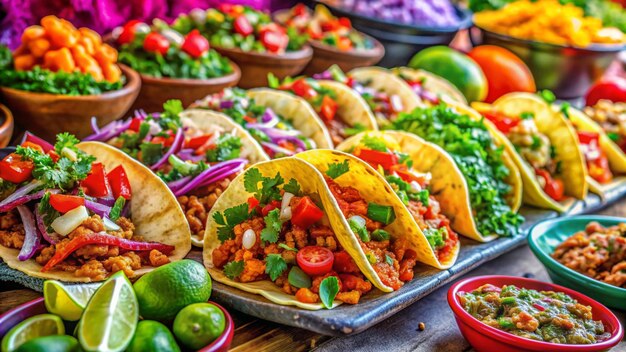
(433, 83)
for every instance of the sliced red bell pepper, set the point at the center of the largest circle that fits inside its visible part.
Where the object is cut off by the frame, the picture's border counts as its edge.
(64, 203)
(274, 41)
(197, 142)
(96, 183)
(585, 137)
(503, 123)
(306, 213)
(166, 141)
(301, 88)
(375, 158)
(16, 170)
(156, 43)
(135, 124)
(405, 174)
(102, 239)
(242, 26)
(119, 183)
(252, 204)
(599, 169)
(328, 109)
(553, 187)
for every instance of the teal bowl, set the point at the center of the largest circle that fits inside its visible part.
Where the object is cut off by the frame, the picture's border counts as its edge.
(545, 236)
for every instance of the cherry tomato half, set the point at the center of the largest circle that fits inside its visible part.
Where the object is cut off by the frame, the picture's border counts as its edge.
(64, 203)
(14, 169)
(195, 44)
(315, 260)
(156, 43)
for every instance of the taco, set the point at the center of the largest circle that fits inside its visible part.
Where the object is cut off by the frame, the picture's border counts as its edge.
(277, 232)
(431, 89)
(341, 109)
(610, 118)
(606, 162)
(80, 212)
(196, 152)
(426, 180)
(282, 123)
(544, 147)
(493, 181)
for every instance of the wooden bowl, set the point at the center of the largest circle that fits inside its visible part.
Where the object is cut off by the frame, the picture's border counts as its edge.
(6, 126)
(155, 91)
(255, 66)
(325, 56)
(46, 115)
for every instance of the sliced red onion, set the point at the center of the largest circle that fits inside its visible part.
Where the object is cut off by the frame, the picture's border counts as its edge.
(29, 137)
(98, 208)
(270, 117)
(18, 195)
(31, 236)
(126, 210)
(42, 227)
(211, 174)
(107, 200)
(222, 175)
(94, 125)
(276, 149)
(275, 133)
(175, 185)
(188, 155)
(109, 131)
(226, 104)
(299, 142)
(323, 75)
(176, 145)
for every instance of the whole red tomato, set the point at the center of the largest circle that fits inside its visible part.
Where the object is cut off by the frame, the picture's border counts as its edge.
(613, 89)
(156, 43)
(505, 71)
(195, 44)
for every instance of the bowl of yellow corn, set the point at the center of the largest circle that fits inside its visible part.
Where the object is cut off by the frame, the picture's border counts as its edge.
(565, 50)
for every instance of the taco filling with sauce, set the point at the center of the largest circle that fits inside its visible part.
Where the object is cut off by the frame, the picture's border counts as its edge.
(534, 147)
(197, 164)
(276, 134)
(596, 159)
(612, 119)
(412, 189)
(281, 234)
(71, 214)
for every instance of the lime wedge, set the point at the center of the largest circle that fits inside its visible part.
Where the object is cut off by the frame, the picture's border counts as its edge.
(110, 318)
(31, 328)
(67, 301)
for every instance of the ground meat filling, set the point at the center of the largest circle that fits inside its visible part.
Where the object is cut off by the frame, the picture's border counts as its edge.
(393, 261)
(598, 252)
(198, 203)
(352, 284)
(612, 118)
(94, 261)
(430, 218)
(337, 129)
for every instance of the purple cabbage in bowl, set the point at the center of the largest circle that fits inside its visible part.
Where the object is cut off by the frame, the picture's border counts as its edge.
(427, 13)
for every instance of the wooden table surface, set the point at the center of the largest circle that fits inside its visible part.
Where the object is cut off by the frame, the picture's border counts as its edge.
(398, 333)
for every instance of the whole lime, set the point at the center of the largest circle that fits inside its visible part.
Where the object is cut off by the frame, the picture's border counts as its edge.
(197, 325)
(163, 292)
(456, 67)
(53, 343)
(152, 336)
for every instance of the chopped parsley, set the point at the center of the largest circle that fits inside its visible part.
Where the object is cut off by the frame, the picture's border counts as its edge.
(292, 187)
(269, 186)
(275, 266)
(565, 109)
(233, 269)
(227, 147)
(273, 225)
(229, 219)
(337, 169)
(374, 143)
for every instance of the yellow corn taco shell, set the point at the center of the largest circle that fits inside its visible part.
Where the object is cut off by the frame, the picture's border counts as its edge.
(373, 188)
(447, 185)
(207, 121)
(351, 107)
(617, 159)
(445, 90)
(297, 111)
(311, 183)
(561, 135)
(383, 80)
(154, 212)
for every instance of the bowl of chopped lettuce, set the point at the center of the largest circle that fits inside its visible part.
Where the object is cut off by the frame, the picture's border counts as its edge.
(251, 39)
(61, 76)
(172, 65)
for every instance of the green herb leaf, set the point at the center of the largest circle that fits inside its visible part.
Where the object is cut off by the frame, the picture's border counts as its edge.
(273, 225)
(231, 217)
(527, 115)
(337, 169)
(328, 291)
(47, 212)
(292, 187)
(275, 265)
(388, 259)
(286, 247)
(548, 96)
(227, 147)
(117, 208)
(233, 269)
(355, 129)
(269, 186)
(374, 143)
(150, 152)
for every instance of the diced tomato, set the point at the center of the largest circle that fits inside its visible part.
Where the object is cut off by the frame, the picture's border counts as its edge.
(32, 145)
(306, 213)
(344, 43)
(269, 207)
(249, 119)
(375, 158)
(135, 124)
(300, 9)
(503, 123)
(197, 142)
(128, 32)
(274, 41)
(599, 169)
(315, 260)
(252, 203)
(195, 44)
(119, 183)
(302, 89)
(96, 183)
(585, 137)
(53, 155)
(156, 43)
(16, 170)
(242, 26)
(344, 263)
(64, 203)
(345, 21)
(405, 174)
(328, 108)
(166, 141)
(553, 187)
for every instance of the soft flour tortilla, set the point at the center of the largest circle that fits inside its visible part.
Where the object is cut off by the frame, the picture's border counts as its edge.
(383, 80)
(351, 107)
(206, 120)
(561, 135)
(373, 188)
(448, 185)
(295, 110)
(617, 158)
(445, 90)
(154, 212)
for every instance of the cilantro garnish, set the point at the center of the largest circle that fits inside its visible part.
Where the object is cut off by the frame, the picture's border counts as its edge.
(275, 265)
(47, 212)
(116, 211)
(151, 152)
(170, 117)
(355, 129)
(536, 143)
(374, 143)
(292, 187)
(527, 115)
(328, 291)
(269, 186)
(227, 147)
(233, 269)
(273, 225)
(227, 221)
(337, 169)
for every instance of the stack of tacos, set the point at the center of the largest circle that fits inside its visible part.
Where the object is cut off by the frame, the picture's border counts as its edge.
(81, 212)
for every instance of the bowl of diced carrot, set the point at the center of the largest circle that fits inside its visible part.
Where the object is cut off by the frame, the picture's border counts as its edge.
(61, 76)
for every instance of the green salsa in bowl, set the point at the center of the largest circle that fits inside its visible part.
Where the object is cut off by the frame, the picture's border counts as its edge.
(546, 236)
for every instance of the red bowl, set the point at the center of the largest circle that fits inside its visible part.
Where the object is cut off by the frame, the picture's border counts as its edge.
(16, 315)
(486, 338)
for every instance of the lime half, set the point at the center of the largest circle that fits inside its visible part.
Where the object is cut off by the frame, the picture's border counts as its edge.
(67, 301)
(31, 328)
(110, 318)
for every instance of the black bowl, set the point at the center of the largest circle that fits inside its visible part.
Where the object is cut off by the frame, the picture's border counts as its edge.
(402, 41)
